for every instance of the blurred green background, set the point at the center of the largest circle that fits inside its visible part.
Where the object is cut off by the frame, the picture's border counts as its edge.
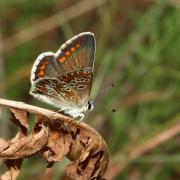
(138, 48)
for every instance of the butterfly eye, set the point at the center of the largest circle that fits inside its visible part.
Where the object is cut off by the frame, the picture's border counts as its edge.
(91, 105)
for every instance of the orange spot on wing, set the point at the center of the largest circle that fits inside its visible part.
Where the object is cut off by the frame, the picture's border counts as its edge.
(67, 53)
(62, 59)
(45, 62)
(77, 45)
(43, 66)
(40, 73)
(72, 49)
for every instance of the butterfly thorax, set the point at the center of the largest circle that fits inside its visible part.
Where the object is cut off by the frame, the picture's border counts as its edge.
(80, 110)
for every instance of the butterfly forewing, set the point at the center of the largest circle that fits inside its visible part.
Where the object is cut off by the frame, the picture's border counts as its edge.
(77, 53)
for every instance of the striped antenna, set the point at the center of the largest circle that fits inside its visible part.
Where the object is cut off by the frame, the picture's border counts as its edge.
(104, 91)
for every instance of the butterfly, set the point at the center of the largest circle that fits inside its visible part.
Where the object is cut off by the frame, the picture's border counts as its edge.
(64, 79)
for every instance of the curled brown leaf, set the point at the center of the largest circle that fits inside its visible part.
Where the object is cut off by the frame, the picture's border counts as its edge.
(3, 144)
(25, 146)
(21, 116)
(14, 169)
(55, 136)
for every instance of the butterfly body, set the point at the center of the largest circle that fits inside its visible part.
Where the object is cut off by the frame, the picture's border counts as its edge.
(64, 78)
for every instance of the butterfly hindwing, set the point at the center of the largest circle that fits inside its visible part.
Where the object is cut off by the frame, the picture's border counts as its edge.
(70, 89)
(79, 82)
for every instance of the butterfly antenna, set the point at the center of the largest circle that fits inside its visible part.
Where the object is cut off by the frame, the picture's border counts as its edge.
(102, 92)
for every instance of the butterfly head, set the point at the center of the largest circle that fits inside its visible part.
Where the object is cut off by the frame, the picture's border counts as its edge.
(90, 105)
(79, 111)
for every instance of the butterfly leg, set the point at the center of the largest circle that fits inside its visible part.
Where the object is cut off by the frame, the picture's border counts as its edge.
(81, 116)
(59, 111)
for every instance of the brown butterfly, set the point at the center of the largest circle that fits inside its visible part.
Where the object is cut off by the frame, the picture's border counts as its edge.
(64, 78)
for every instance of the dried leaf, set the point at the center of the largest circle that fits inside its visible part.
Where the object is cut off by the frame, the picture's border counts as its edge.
(3, 144)
(26, 146)
(92, 167)
(55, 136)
(14, 169)
(21, 116)
(58, 146)
(93, 158)
(76, 147)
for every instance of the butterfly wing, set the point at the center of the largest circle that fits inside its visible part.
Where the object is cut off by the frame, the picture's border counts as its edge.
(78, 82)
(68, 91)
(75, 53)
(70, 68)
(46, 90)
(44, 67)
